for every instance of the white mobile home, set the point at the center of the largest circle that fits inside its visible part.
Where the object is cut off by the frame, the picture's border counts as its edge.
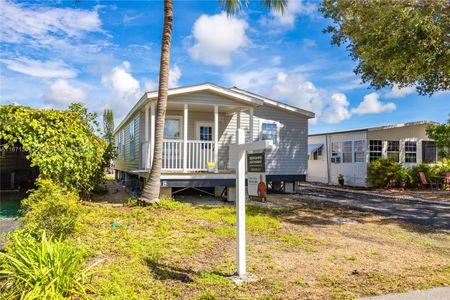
(349, 152)
(200, 125)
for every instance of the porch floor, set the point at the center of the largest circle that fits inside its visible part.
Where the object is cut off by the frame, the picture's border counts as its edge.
(165, 175)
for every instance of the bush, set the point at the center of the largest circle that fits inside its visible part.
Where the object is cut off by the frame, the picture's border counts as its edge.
(441, 168)
(62, 144)
(414, 173)
(51, 208)
(386, 173)
(49, 269)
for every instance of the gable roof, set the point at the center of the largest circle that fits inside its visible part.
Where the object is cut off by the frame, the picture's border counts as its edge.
(382, 127)
(275, 103)
(232, 93)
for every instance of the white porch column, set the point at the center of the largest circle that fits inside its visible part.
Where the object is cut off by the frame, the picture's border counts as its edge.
(185, 137)
(146, 150)
(216, 136)
(152, 131)
(250, 126)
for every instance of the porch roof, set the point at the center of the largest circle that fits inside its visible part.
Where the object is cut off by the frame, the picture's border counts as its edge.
(209, 87)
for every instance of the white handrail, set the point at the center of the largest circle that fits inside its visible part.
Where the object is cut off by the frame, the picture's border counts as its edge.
(199, 154)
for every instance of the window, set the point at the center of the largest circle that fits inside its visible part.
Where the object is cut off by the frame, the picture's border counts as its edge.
(123, 143)
(347, 152)
(410, 151)
(269, 132)
(205, 133)
(336, 152)
(315, 155)
(172, 128)
(132, 141)
(375, 149)
(428, 152)
(360, 155)
(393, 150)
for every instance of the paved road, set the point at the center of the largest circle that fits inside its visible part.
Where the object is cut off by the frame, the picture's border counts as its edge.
(436, 216)
(441, 293)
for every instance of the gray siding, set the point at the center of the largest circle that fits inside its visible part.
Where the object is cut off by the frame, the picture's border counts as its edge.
(288, 158)
(126, 163)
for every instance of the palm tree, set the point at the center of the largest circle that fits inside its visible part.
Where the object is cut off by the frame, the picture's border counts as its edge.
(151, 191)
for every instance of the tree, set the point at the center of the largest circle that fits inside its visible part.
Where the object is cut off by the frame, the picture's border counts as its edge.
(151, 191)
(403, 43)
(441, 134)
(108, 131)
(108, 125)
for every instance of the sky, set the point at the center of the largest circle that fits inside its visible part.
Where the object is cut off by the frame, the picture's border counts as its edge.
(106, 55)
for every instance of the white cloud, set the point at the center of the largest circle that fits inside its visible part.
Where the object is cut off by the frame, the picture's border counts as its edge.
(397, 92)
(21, 23)
(276, 60)
(174, 76)
(336, 110)
(287, 19)
(37, 68)
(297, 91)
(372, 105)
(217, 37)
(255, 80)
(62, 92)
(121, 81)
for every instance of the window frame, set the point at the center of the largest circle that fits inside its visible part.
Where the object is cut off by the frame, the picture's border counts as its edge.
(378, 152)
(132, 139)
(335, 154)
(435, 152)
(180, 119)
(410, 152)
(355, 160)
(345, 153)
(200, 124)
(392, 150)
(277, 126)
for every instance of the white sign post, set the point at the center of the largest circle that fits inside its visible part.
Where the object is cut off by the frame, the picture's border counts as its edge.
(239, 150)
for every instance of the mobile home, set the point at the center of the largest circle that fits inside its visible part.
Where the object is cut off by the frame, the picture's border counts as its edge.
(200, 125)
(349, 152)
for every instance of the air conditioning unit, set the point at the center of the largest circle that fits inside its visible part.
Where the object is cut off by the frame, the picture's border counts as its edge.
(336, 159)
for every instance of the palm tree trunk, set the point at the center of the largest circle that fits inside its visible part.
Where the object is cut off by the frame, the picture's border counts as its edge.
(150, 194)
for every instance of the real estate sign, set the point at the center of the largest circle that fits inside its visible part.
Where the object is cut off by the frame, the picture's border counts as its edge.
(256, 176)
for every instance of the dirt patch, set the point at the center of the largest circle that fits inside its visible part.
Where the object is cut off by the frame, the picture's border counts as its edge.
(115, 193)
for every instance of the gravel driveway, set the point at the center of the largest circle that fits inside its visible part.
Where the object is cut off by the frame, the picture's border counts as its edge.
(432, 215)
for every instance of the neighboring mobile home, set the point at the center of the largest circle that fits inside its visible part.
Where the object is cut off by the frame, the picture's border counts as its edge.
(200, 125)
(349, 152)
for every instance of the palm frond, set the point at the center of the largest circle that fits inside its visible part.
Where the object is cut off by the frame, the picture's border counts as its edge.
(234, 6)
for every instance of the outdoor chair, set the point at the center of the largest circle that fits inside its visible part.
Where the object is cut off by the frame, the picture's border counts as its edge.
(426, 182)
(447, 180)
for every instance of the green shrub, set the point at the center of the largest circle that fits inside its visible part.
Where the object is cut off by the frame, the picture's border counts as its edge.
(49, 269)
(51, 208)
(414, 173)
(62, 144)
(385, 173)
(441, 168)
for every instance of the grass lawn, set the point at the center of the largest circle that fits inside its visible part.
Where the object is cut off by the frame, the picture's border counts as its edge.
(310, 252)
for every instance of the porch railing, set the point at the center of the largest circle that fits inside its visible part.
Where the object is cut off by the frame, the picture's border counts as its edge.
(198, 155)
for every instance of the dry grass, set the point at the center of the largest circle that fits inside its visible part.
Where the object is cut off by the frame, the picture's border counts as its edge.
(310, 252)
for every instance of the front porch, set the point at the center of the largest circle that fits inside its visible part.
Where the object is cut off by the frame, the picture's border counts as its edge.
(196, 136)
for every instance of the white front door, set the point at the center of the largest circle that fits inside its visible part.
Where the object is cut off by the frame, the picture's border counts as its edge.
(205, 133)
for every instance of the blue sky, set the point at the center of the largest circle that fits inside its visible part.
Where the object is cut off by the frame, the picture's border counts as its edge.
(106, 54)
